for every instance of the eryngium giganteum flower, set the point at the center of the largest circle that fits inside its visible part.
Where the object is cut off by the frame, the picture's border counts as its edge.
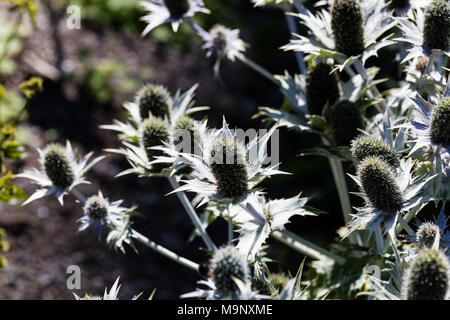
(154, 99)
(229, 168)
(321, 87)
(440, 122)
(428, 276)
(226, 264)
(347, 27)
(57, 166)
(365, 146)
(426, 234)
(345, 119)
(96, 207)
(154, 133)
(185, 126)
(177, 8)
(436, 32)
(379, 185)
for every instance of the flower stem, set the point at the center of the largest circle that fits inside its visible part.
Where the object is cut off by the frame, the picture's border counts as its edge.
(300, 7)
(405, 225)
(373, 91)
(192, 214)
(379, 239)
(256, 67)
(165, 252)
(304, 246)
(293, 30)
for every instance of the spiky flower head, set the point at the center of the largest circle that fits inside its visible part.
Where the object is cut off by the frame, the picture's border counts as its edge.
(229, 168)
(177, 8)
(185, 126)
(440, 122)
(321, 87)
(427, 277)
(427, 234)
(346, 22)
(96, 207)
(154, 133)
(226, 264)
(436, 31)
(422, 63)
(397, 4)
(365, 146)
(345, 118)
(379, 185)
(57, 166)
(154, 99)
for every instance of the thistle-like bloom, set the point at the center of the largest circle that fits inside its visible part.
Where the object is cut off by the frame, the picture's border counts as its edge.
(428, 276)
(169, 11)
(351, 29)
(98, 211)
(178, 106)
(61, 171)
(345, 119)
(227, 169)
(321, 87)
(387, 193)
(426, 31)
(366, 146)
(226, 264)
(432, 140)
(224, 42)
(155, 100)
(229, 278)
(430, 234)
(154, 133)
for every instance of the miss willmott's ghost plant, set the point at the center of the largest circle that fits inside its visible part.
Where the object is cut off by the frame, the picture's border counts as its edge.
(395, 144)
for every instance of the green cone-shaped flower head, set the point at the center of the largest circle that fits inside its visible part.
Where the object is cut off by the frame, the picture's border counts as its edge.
(436, 31)
(177, 8)
(346, 22)
(365, 146)
(57, 166)
(428, 276)
(229, 168)
(185, 128)
(426, 234)
(154, 99)
(227, 263)
(96, 207)
(440, 122)
(345, 118)
(321, 87)
(379, 185)
(154, 133)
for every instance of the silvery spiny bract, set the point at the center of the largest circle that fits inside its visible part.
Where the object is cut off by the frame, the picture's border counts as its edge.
(365, 146)
(228, 263)
(345, 118)
(436, 32)
(321, 87)
(428, 276)
(346, 21)
(153, 99)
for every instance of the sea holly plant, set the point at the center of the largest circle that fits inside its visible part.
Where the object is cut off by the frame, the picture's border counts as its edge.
(394, 144)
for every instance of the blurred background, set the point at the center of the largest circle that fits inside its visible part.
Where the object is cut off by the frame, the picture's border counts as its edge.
(88, 74)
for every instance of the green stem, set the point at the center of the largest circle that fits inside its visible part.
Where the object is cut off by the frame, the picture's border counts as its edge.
(304, 246)
(165, 252)
(192, 214)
